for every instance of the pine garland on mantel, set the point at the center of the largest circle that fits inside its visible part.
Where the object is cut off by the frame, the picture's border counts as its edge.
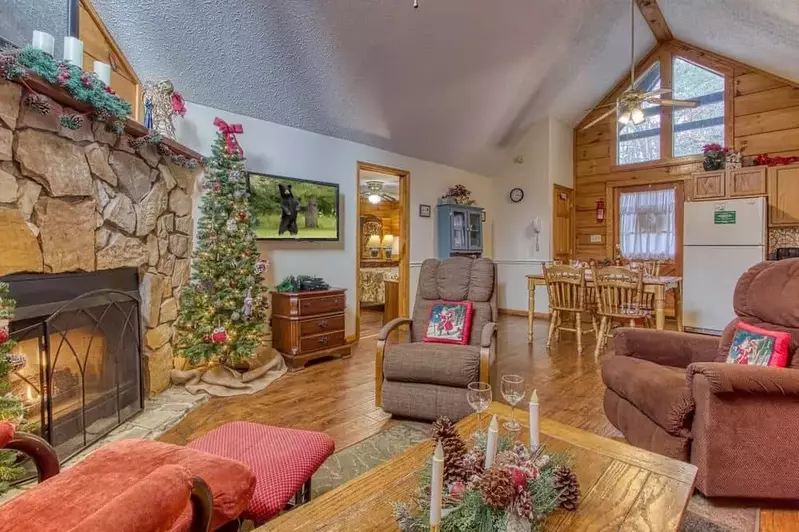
(17, 65)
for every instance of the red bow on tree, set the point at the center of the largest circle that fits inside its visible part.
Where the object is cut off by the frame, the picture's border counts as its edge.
(229, 131)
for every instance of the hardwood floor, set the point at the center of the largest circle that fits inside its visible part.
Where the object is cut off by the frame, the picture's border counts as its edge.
(337, 396)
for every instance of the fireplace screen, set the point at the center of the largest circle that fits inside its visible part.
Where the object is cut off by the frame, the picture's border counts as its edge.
(80, 373)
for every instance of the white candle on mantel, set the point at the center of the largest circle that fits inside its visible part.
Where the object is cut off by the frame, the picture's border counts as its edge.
(437, 486)
(103, 71)
(491, 443)
(73, 51)
(534, 430)
(43, 41)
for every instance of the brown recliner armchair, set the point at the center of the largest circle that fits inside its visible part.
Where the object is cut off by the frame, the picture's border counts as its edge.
(428, 380)
(672, 393)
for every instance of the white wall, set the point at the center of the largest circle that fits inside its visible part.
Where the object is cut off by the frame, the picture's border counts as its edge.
(547, 150)
(283, 150)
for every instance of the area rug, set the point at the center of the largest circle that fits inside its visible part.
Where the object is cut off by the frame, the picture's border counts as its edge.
(701, 516)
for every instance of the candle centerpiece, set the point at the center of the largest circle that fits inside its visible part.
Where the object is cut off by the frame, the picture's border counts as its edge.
(499, 480)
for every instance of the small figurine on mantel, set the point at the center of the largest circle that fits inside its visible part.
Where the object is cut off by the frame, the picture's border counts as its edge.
(161, 104)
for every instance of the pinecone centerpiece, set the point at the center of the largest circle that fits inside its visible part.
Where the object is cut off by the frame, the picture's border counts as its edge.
(444, 431)
(566, 484)
(497, 487)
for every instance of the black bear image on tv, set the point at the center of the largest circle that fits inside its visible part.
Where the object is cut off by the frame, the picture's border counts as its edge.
(293, 209)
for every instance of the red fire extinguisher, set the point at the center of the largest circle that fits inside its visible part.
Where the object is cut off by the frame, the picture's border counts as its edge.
(600, 210)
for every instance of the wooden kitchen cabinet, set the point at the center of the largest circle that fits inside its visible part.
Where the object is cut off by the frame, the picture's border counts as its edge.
(746, 182)
(783, 195)
(708, 185)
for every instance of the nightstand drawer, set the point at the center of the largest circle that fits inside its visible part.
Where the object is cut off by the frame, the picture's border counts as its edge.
(321, 341)
(322, 305)
(322, 325)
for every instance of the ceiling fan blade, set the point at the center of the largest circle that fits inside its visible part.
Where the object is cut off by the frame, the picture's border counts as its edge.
(657, 92)
(601, 118)
(678, 103)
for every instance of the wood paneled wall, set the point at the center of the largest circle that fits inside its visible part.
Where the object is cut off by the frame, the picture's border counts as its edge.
(762, 116)
(388, 212)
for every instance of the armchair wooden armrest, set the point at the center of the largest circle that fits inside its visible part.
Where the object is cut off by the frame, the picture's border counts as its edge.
(488, 349)
(42, 454)
(382, 338)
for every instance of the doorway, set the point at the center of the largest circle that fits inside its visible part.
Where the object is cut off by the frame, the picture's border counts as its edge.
(383, 247)
(562, 223)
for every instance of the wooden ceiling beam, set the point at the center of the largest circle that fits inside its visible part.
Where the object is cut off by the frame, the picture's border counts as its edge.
(654, 17)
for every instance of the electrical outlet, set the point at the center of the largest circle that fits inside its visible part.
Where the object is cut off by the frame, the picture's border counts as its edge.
(596, 239)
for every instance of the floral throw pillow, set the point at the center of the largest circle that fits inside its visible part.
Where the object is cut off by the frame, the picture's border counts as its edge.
(450, 323)
(756, 346)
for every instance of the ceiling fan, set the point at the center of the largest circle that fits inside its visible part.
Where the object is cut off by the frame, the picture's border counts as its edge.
(374, 193)
(630, 104)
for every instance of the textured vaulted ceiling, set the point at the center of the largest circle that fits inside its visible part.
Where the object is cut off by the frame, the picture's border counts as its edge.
(450, 82)
(454, 81)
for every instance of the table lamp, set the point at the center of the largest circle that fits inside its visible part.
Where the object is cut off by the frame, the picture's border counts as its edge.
(374, 245)
(388, 245)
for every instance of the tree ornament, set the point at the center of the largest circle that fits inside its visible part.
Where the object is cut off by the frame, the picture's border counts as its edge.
(247, 310)
(232, 283)
(497, 487)
(198, 288)
(235, 316)
(16, 361)
(242, 215)
(237, 195)
(207, 339)
(4, 335)
(260, 266)
(217, 187)
(231, 225)
(38, 103)
(219, 335)
(567, 485)
(234, 176)
(444, 431)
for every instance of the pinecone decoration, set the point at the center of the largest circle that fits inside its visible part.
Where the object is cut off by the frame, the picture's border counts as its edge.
(524, 505)
(137, 143)
(473, 462)
(163, 150)
(507, 458)
(444, 431)
(38, 103)
(497, 488)
(566, 485)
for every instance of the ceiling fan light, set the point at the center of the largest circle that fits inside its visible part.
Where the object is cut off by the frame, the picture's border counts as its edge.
(374, 199)
(637, 116)
(625, 118)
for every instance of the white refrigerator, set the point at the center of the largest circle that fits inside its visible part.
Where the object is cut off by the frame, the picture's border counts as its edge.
(721, 240)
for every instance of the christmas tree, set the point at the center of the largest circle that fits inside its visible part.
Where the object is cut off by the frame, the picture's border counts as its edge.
(11, 408)
(222, 310)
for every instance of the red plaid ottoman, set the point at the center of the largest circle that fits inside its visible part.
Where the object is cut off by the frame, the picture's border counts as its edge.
(283, 460)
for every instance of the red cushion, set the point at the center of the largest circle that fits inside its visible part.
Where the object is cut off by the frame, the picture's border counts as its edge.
(757, 346)
(67, 499)
(282, 460)
(450, 322)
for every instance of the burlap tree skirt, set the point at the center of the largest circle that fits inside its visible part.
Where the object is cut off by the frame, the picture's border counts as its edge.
(222, 381)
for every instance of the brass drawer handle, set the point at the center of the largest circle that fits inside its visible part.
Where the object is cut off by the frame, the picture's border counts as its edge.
(323, 324)
(323, 340)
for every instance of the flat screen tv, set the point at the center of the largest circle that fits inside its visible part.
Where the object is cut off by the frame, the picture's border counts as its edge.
(294, 209)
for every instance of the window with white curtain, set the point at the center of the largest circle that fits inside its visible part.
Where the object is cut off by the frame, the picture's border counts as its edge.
(647, 224)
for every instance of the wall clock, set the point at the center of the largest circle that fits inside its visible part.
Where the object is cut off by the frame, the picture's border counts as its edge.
(516, 195)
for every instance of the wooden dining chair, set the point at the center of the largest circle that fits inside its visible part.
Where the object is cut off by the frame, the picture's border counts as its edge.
(650, 268)
(566, 289)
(619, 293)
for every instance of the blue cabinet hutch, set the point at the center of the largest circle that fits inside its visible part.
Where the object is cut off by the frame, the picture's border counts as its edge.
(460, 231)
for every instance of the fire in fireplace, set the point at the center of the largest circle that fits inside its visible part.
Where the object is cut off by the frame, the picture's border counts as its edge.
(80, 370)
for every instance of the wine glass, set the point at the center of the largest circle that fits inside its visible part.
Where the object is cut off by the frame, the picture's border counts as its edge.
(513, 392)
(479, 397)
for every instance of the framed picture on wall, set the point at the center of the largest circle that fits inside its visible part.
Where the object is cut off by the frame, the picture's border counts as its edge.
(424, 211)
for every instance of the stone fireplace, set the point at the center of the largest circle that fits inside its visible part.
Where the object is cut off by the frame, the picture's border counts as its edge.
(85, 201)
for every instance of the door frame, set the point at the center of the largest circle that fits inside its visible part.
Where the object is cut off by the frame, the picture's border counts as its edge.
(404, 177)
(556, 191)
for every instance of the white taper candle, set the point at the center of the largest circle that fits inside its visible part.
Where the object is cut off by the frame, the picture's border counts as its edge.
(73, 51)
(491, 443)
(43, 41)
(103, 71)
(534, 417)
(437, 486)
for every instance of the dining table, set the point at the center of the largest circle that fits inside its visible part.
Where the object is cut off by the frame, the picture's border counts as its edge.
(659, 285)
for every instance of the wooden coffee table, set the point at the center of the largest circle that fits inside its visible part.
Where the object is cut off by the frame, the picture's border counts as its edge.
(623, 487)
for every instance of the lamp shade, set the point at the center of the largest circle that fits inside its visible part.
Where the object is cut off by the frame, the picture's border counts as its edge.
(395, 248)
(388, 241)
(373, 242)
